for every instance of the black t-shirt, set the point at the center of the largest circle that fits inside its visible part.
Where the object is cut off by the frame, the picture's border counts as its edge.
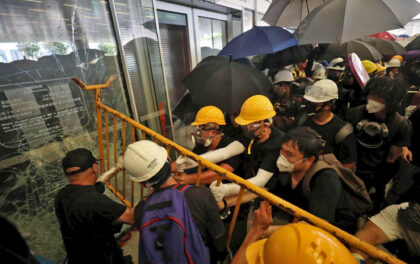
(368, 159)
(224, 141)
(204, 210)
(325, 200)
(263, 155)
(346, 150)
(86, 217)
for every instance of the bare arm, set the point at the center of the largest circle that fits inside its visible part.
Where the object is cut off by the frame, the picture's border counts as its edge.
(371, 234)
(262, 220)
(127, 217)
(349, 165)
(394, 153)
(206, 177)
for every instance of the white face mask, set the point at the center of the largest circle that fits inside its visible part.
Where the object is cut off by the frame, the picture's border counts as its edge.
(284, 165)
(374, 106)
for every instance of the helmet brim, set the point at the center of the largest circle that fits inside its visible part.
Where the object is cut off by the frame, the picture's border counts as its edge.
(255, 252)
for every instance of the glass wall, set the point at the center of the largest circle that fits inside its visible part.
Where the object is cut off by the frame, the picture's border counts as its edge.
(212, 35)
(248, 19)
(43, 114)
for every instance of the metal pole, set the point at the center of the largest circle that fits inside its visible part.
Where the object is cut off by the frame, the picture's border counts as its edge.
(165, 82)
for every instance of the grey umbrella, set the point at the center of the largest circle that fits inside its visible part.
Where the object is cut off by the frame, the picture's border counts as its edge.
(339, 21)
(289, 13)
(364, 50)
(385, 46)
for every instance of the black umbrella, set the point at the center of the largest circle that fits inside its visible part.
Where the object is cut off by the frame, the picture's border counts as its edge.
(385, 46)
(414, 44)
(286, 57)
(224, 83)
(185, 109)
(364, 50)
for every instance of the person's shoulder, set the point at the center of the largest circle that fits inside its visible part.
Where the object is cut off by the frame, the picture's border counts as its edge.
(226, 140)
(275, 137)
(326, 175)
(198, 191)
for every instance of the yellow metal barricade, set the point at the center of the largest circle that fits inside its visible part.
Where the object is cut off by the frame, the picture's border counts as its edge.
(345, 237)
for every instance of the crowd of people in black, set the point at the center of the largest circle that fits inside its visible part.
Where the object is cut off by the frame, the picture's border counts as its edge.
(344, 152)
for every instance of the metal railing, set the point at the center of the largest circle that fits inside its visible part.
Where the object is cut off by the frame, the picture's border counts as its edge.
(104, 154)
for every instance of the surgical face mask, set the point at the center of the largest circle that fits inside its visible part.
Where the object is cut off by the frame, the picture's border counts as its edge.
(374, 106)
(284, 165)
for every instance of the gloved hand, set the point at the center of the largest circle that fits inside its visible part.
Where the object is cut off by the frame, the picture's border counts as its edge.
(184, 163)
(218, 191)
(120, 163)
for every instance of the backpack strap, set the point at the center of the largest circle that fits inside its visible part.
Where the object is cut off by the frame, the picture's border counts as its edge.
(394, 125)
(316, 167)
(344, 131)
(182, 187)
(302, 119)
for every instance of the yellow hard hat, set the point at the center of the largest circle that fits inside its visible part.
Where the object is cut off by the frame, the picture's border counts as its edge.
(255, 108)
(399, 57)
(299, 244)
(380, 68)
(369, 66)
(209, 114)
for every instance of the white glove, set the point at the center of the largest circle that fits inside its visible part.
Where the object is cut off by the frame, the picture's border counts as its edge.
(120, 163)
(218, 191)
(184, 163)
(409, 110)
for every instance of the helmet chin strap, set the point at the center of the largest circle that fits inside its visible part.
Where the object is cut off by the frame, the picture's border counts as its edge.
(261, 135)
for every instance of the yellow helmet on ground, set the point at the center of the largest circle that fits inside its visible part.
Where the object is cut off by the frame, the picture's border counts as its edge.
(209, 114)
(299, 244)
(369, 66)
(399, 57)
(255, 108)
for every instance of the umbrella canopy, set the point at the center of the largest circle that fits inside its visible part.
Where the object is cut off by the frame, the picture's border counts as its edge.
(286, 57)
(383, 35)
(339, 21)
(289, 13)
(385, 46)
(414, 44)
(364, 50)
(225, 84)
(259, 40)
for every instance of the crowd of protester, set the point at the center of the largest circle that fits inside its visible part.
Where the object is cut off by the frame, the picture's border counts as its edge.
(345, 153)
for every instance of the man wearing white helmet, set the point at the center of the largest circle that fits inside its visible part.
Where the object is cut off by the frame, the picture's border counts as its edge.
(149, 164)
(281, 98)
(339, 137)
(335, 70)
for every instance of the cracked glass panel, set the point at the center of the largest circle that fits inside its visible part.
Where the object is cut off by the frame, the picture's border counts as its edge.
(43, 114)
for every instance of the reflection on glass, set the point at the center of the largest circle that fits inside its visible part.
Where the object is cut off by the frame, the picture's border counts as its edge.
(43, 114)
(248, 19)
(212, 35)
(236, 26)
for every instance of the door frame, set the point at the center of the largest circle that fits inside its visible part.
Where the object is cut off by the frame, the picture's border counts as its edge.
(187, 11)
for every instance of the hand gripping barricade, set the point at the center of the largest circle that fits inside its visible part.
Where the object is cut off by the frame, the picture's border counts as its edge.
(104, 155)
(168, 232)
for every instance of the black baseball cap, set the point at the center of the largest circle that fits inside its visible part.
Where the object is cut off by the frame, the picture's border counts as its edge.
(81, 157)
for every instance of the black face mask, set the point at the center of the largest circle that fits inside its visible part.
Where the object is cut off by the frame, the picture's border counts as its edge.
(249, 134)
(311, 108)
(333, 76)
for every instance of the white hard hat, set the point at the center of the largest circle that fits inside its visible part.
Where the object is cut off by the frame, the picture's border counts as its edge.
(143, 160)
(394, 63)
(333, 64)
(321, 91)
(319, 74)
(283, 76)
(316, 66)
